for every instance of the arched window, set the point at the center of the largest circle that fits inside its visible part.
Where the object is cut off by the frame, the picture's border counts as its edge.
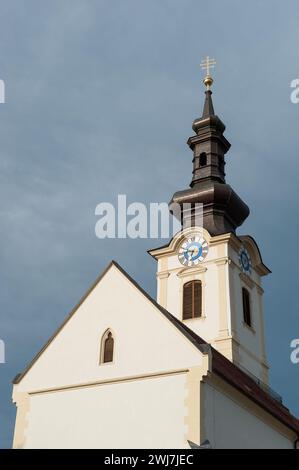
(192, 300)
(246, 306)
(107, 347)
(203, 159)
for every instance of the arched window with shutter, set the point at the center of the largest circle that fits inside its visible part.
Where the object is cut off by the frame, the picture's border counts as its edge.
(107, 348)
(192, 300)
(246, 306)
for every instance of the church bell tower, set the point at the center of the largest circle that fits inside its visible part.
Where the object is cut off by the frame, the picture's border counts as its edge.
(209, 276)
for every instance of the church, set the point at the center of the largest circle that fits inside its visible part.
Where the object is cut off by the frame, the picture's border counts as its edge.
(185, 370)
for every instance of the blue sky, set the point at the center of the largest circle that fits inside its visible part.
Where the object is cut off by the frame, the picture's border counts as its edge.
(100, 99)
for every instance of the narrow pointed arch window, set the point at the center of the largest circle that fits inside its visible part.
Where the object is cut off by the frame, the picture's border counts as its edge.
(192, 300)
(107, 348)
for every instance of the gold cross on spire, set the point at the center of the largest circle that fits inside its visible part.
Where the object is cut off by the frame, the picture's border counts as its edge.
(208, 64)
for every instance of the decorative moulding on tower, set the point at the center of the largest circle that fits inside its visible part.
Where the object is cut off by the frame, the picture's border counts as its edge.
(189, 271)
(163, 274)
(247, 280)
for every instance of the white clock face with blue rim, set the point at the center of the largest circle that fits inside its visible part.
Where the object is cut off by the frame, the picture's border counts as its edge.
(193, 250)
(245, 261)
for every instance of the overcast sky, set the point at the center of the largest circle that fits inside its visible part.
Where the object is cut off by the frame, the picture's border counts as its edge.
(100, 99)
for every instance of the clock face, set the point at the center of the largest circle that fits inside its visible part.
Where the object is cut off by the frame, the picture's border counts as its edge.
(193, 250)
(245, 261)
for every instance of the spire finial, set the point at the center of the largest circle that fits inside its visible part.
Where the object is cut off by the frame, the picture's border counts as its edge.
(206, 64)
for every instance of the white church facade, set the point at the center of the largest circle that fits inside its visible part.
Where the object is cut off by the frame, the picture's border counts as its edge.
(185, 370)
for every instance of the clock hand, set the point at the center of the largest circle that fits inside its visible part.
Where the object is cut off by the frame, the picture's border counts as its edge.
(189, 250)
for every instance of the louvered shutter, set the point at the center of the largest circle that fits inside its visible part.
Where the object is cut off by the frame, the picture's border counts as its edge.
(197, 299)
(187, 300)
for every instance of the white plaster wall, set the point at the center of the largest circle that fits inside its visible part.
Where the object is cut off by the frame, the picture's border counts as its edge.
(250, 339)
(145, 413)
(229, 425)
(250, 364)
(145, 341)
